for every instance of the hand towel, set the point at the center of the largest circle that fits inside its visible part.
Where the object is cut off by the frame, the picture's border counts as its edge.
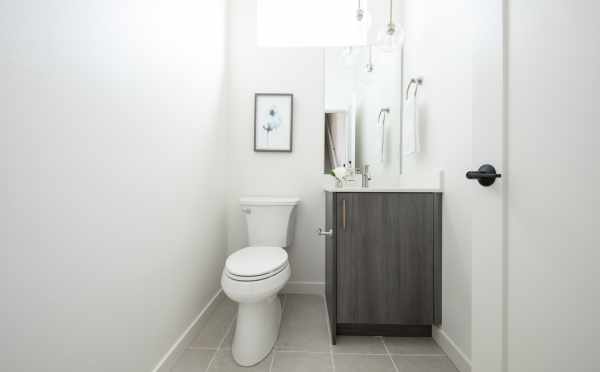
(380, 156)
(410, 127)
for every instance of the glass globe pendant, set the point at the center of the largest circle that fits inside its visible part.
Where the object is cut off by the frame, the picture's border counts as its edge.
(363, 21)
(392, 37)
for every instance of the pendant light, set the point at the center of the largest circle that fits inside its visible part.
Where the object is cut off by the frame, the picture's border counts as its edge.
(392, 37)
(360, 14)
(363, 20)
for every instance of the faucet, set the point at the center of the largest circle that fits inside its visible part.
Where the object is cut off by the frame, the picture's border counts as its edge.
(366, 177)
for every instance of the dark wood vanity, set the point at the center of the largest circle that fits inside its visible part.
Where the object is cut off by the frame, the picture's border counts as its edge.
(383, 263)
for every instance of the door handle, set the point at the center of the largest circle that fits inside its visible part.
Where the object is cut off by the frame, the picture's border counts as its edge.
(327, 234)
(486, 175)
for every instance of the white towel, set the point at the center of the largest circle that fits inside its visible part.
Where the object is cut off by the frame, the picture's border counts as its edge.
(381, 137)
(410, 127)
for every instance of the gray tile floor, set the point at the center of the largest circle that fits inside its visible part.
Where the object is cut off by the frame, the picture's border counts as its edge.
(303, 346)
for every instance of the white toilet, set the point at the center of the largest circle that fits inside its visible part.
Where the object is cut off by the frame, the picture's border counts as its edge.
(254, 275)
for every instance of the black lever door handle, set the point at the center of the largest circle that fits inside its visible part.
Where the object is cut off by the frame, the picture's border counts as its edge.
(486, 175)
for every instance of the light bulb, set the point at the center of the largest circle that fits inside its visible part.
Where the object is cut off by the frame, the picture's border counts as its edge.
(364, 26)
(390, 39)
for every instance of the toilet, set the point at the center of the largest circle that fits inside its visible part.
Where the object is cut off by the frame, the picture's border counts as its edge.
(254, 275)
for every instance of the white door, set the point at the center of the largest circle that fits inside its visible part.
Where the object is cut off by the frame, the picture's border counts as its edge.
(536, 242)
(488, 211)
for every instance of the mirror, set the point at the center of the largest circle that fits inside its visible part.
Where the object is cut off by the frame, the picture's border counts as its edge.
(363, 109)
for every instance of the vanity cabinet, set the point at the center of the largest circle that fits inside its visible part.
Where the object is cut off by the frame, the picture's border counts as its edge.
(383, 262)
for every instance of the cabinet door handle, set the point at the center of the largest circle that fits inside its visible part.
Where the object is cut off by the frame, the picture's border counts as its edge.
(327, 234)
(344, 214)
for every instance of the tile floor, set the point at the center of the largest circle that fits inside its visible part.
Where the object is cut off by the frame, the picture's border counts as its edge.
(303, 346)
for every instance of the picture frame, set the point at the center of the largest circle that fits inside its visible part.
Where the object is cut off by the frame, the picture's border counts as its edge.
(273, 122)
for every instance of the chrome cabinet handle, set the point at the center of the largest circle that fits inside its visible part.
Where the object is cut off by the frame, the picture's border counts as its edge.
(327, 234)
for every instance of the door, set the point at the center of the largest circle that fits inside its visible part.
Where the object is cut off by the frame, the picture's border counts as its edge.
(385, 258)
(535, 245)
(488, 213)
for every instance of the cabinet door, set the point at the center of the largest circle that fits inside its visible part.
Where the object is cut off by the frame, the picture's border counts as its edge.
(330, 263)
(385, 258)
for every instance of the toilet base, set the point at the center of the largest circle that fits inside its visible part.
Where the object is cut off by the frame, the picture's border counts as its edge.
(256, 331)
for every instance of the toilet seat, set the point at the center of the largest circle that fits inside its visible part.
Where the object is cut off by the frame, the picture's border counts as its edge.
(256, 263)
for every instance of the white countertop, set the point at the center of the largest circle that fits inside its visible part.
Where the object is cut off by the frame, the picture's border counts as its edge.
(382, 189)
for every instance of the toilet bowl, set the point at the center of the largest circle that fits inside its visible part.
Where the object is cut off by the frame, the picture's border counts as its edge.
(254, 275)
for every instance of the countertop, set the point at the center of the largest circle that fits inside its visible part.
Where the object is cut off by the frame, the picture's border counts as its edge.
(383, 189)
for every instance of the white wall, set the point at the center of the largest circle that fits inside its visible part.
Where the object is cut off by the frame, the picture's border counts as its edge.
(112, 152)
(290, 70)
(438, 47)
(553, 130)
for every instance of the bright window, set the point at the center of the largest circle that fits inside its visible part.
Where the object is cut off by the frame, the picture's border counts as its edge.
(309, 23)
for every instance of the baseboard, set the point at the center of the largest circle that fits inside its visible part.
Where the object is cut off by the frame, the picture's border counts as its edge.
(313, 288)
(168, 360)
(460, 359)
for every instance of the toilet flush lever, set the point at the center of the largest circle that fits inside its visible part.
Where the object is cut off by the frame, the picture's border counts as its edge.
(246, 210)
(327, 234)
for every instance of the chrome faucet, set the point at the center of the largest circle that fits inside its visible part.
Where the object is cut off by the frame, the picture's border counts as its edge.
(366, 176)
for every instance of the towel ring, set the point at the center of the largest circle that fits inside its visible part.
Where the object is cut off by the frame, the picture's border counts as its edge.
(416, 81)
(384, 111)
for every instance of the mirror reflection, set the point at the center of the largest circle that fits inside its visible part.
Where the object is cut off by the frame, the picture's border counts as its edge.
(363, 109)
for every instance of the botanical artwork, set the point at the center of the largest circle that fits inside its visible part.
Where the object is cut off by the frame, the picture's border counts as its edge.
(273, 122)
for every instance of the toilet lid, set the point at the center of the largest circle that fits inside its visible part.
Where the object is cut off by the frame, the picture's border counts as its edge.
(256, 261)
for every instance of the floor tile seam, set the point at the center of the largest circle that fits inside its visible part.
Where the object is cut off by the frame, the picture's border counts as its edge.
(292, 351)
(420, 355)
(359, 354)
(272, 362)
(389, 355)
(328, 325)
(216, 352)
(229, 328)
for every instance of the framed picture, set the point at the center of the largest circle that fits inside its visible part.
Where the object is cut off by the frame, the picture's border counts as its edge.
(273, 122)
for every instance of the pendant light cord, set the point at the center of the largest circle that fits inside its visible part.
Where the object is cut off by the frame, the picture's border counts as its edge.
(391, 9)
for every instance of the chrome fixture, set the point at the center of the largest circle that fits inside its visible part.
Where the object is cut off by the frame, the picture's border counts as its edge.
(385, 110)
(417, 82)
(391, 26)
(390, 38)
(326, 234)
(366, 176)
(369, 66)
(360, 14)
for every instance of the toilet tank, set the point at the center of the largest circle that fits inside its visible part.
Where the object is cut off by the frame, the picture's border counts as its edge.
(270, 221)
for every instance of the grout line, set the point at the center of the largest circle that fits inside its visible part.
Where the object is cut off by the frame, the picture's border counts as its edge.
(272, 361)
(226, 333)
(220, 345)
(301, 351)
(331, 356)
(362, 354)
(389, 355)
(420, 355)
(332, 360)
(348, 353)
